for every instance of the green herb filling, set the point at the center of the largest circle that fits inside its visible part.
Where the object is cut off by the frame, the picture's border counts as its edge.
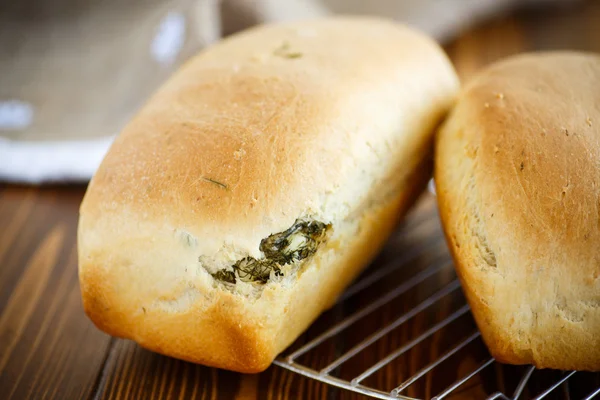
(293, 245)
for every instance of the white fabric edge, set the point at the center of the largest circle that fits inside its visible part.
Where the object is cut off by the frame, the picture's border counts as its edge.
(45, 162)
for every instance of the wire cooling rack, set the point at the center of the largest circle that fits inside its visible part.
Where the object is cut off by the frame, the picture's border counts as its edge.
(404, 330)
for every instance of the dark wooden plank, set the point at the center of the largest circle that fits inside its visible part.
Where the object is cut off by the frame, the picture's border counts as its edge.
(494, 40)
(48, 348)
(134, 373)
(19, 234)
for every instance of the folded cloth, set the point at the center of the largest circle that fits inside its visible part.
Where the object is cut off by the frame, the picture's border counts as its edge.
(73, 72)
(61, 160)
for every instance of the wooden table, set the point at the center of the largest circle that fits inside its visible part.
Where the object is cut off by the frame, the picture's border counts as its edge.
(49, 349)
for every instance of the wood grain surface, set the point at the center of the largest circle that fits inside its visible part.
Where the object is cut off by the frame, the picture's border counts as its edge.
(49, 349)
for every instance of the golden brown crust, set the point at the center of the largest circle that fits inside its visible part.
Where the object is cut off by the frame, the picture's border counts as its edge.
(330, 120)
(518, 181)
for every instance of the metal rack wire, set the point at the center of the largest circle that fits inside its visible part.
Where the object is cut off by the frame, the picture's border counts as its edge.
(430, 273)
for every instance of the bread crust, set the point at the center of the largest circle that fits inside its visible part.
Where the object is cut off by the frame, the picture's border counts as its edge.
(518, 181)
(329, 120)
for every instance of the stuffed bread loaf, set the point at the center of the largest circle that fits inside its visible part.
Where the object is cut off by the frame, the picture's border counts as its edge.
(257, 183)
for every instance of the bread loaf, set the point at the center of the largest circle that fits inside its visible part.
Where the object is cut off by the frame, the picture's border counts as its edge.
(518, 183)
(257, 183)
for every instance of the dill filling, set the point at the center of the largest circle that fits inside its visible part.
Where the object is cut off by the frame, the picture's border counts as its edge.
(295, 244)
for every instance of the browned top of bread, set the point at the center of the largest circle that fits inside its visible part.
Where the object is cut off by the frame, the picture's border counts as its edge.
(518, 175)
(245, 130)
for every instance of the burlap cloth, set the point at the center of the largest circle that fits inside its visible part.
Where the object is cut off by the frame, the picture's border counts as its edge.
(72, 72)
